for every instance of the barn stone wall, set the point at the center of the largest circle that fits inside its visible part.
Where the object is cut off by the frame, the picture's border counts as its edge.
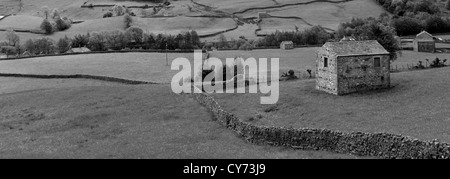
(326, 77)
(424, 46)
(358, 73)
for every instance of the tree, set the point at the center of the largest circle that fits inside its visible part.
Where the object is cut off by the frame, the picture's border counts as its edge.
(195, 39)
(180, 40)
(119, 10)
(447, 5)
(47, 27)
(30, 47)
(149, 41)
(9, 50)
(128, 20)
(63, 44)
(116, 40)
(80, 40)
(135, 35)
(160, 41)
(12, 38)
(44, 46)
(187, 41)
(97, 41)
(55, 14)
(407, 26)
(372, 29)
(223, 41)
(20, 5)
(62, 24)
(45, 11)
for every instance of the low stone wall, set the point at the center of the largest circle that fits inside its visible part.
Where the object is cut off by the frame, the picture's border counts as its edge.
(381, 145)
(78, 76)
(100, 52)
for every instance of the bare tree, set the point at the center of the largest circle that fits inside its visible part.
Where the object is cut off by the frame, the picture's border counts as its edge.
(12, 38)
(20, 5)
(46, 11)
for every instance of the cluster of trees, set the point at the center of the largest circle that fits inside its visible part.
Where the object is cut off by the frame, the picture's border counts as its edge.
(312, 36)
(53, 21)
(241, 44)
(411, 25)
(12, 44)
(133, 37)
(118, 10)
(411, 17)
(371, 29)
(408, 7)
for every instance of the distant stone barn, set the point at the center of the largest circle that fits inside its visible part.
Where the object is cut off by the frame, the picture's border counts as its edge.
(262, 15)
(424, 42)
(287, 45)
(350, 66)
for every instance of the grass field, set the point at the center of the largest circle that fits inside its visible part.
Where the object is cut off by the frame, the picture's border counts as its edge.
(21, 22)
(331, 15)
(152, 66)
(317, 13)
(271, 25)
(91, 119)
(416, 106)
(175, 25)
(134, 66)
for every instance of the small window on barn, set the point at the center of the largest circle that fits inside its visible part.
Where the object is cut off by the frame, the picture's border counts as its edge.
(325, 62)
(377, 62)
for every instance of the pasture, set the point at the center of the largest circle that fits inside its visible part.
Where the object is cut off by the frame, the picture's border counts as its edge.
(415, 106)
(91, 119)
(152, 66)
(216, 16)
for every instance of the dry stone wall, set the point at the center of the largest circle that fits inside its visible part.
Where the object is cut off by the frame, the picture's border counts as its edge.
(381, 145)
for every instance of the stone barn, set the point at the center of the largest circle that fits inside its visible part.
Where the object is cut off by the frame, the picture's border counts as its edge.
(287, 45)
(262, 15)
(424, 42)
(350, 66)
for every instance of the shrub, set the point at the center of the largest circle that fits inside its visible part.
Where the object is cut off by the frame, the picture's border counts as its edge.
(419, 65)
(108, 14)
(289, 75)
(437, 63)
(9, 50)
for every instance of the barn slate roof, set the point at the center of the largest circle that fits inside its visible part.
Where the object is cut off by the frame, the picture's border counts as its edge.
(424, 36)
(78, 50)
(354, 48)
(287, 42)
